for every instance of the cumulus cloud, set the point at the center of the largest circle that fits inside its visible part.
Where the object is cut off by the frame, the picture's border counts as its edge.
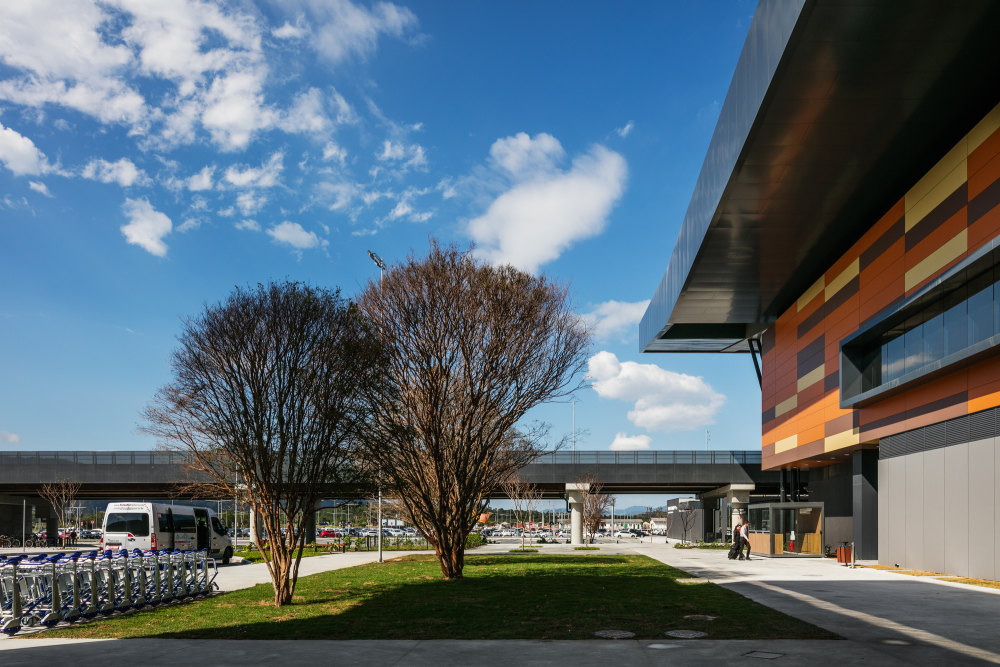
(250, 202)
(265, 176)
(334, 152)
(289, 31)
(146, 227)
(202, 180)
(342, 29)
(20, 155)
(7, 436)
(123, 172)
(615, 320)
(307, 114)
(248, 225)
(630, 442)
(292, 233)
(625, 130)
(662, 400)
(546, 209)
(40, 188)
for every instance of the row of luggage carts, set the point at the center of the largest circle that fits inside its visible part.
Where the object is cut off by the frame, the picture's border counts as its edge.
(45, 590)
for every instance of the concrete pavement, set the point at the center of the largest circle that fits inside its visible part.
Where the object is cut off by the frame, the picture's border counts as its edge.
(886, 618)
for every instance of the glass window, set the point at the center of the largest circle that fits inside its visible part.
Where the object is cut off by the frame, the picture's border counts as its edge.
(934, 338)
(217, 526)
(956, 329)
(184, 523)
(980, 308)
(164, 522)
(913, 353)
(136, 523)
(894, 358)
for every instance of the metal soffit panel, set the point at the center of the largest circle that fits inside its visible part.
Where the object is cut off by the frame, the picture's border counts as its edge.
(865, 98)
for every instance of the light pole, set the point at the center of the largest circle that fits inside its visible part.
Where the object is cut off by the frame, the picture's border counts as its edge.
(381, 269)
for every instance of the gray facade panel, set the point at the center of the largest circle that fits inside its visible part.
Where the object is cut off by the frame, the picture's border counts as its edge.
(884, 491)
(915, 530)
(956, 499)
(897, 515)
(982, 511)
(934, 511)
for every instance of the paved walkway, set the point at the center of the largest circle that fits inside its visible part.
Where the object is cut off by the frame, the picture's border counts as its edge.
(889, 619)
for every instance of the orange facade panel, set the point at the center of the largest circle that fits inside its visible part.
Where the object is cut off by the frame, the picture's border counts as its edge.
(911, 244)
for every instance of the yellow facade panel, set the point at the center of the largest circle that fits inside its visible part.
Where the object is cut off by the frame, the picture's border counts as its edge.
(841, 440)
(948, 184)
(846, 276)
(786, 406)
(812, 377)
(984, 129)
(791, 442)
(951, 250)
(811, 293)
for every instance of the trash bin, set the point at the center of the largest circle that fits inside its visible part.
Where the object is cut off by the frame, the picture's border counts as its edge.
(844, 554)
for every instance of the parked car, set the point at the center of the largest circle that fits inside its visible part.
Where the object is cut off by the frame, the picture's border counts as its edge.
(331, 532)
(623, 533)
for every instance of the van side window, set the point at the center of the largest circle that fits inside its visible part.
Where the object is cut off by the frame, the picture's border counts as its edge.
(217, 526)
(165, 525)
(202, 519)
(184, 523)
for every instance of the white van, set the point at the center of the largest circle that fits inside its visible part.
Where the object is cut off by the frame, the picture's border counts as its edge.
(162, 526)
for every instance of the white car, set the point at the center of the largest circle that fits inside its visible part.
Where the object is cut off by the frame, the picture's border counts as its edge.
(624, 533)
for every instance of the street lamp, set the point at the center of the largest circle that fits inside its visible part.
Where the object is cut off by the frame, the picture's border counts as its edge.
(381, 268)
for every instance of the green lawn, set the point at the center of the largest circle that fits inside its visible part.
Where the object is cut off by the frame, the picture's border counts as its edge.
(529, 596)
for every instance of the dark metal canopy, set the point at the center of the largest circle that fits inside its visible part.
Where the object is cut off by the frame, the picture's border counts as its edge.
(835, 110)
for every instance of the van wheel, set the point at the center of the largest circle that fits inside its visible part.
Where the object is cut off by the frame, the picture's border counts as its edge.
(227, 555)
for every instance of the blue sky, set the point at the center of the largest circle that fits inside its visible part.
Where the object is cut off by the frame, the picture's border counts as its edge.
(154, 155)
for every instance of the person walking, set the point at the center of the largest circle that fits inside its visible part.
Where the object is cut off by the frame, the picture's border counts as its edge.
(745, 537)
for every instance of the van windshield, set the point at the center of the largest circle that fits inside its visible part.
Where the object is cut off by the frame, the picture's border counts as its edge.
(136, 523)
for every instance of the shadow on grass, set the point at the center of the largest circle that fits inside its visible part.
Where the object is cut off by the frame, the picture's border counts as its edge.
(504, 597)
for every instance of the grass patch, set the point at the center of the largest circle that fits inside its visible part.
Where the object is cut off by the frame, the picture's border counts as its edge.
(525, 550)
(985, 583)
(500, 597)
(586, 548)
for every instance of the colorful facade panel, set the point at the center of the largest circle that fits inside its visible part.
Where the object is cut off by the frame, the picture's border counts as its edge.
(949, 213)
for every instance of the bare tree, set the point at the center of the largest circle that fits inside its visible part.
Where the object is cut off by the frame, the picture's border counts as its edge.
(595, 504)
(471, 349)
(687, 521)
(60, 495)
(266, 391)
(523, 496)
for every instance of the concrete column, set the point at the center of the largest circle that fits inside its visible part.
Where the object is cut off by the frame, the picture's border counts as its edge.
(865, 503)
(52, 529)
(738, 500)
(576, 493)
(310, 523)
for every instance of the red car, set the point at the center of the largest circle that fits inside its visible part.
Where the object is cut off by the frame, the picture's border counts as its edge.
(332, 532)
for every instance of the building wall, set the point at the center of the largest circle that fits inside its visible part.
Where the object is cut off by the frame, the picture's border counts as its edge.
(939, 509)
(951, 212)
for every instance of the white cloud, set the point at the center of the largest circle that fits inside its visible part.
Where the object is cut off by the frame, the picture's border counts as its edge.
(146, 227)
(266, 176)
(202, 180)
(123, 172)
(343, 29)
(615, 319)
(40, 188)
(7, 436)
(307, 114)
(19, 154)
(250, 202)
(392, 150)
(524, 157)
(294, 235)
(335, 152)
(663, 400)
(189, 224)
(248, 225)
(625, 130)
(547, 210)
(624, 442)
(289, 31)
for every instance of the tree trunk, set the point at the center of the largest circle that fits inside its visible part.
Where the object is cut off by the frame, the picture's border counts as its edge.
(452, 559)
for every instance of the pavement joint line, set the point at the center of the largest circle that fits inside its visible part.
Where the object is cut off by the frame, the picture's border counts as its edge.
(913, 633)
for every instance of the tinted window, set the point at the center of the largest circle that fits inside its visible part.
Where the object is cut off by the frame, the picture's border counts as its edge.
(136, 523)
(217, 525)
(184, 523)
(980, 309)
(163, 522)
(934, 338)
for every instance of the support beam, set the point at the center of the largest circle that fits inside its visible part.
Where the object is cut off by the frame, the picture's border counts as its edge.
(864, 490)
(756, 364)
(576, 492)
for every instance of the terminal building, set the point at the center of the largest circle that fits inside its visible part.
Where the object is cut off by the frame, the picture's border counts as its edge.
(844, 233)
